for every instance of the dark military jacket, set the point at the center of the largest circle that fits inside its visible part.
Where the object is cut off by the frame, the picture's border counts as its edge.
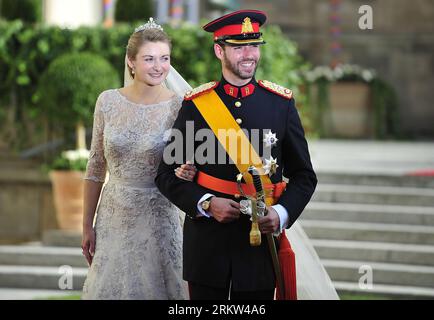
(213, 252)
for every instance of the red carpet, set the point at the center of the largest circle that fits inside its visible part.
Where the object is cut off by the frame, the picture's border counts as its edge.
(422, 173)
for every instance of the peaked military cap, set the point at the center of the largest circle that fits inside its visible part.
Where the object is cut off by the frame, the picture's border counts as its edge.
(238, 28)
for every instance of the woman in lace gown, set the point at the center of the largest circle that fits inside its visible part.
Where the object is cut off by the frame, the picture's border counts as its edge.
(135, 248)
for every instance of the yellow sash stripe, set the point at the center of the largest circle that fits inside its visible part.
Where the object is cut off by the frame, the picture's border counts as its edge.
(218, 117)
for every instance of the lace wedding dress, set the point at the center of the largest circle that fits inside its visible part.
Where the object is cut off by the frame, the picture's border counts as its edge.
(138, 231)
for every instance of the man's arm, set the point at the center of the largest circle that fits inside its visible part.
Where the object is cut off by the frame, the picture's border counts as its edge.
(297, 167)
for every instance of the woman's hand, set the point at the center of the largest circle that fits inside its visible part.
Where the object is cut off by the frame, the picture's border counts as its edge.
(186, 171)
(88, 244)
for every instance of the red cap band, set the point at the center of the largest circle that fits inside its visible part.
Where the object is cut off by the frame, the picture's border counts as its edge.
(234, 29)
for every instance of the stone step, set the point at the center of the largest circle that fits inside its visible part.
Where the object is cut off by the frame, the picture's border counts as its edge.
(383, 290)
(375, 179)
(382, 273)
(41, 277)
(361, 231)
(62, 238)
(371, 157)
(414, 215)
(42, 256)
(406, 196)
(375, 251)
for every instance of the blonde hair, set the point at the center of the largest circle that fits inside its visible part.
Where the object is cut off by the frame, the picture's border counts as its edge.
(138, 39)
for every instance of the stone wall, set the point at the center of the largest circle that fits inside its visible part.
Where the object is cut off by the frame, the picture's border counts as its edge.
(400, 47)
(26, 205)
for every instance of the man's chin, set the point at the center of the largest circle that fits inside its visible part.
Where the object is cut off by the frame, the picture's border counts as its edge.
(246, 76)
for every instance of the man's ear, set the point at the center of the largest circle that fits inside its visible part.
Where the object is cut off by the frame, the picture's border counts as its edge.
(219, 51)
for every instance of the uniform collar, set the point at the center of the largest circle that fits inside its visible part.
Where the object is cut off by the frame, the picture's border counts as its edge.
(236, 91)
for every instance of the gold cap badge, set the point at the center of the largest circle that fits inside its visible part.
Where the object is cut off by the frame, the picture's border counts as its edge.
(247, 26)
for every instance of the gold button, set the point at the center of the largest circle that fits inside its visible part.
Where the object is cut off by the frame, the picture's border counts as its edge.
(239, 121)
(238, 104)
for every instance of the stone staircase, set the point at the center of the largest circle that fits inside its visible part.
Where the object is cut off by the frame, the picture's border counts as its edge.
(36, 267)
(381, 223)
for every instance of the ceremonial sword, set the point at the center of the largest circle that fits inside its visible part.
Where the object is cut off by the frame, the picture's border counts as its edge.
(259, 208)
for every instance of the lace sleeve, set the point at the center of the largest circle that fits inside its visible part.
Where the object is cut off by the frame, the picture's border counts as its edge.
(96, 166)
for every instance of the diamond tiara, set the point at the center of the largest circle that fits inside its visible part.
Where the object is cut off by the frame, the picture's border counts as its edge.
(149, 25)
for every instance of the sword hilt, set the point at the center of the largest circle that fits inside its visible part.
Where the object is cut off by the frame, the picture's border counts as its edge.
(260, 206)
(256, 179)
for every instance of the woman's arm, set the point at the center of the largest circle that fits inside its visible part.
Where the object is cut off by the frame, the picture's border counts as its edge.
(92, 191)
(94, 179)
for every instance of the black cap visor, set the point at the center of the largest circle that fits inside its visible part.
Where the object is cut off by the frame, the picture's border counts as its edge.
(242, 39)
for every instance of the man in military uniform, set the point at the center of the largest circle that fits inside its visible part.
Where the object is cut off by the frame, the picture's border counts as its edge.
(218, 259)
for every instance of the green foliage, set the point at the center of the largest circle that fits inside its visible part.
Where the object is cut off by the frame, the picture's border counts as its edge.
(61, 297)
(71, 160)
(61, 163)
(26, 51)
(281, 63)
(25, 10)
(341, 72)
(193, 54)
(69, 87)
(133, 10)
(319, 106)
(384, 100)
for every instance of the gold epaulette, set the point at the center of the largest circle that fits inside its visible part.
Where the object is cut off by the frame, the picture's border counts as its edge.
(190, 95)
(275, 88)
